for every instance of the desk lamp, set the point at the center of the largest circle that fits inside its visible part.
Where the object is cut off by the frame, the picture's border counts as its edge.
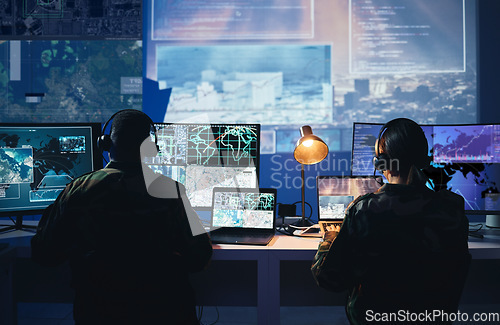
(309, 150)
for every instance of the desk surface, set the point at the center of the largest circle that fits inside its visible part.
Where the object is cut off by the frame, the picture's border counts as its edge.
(485, 248)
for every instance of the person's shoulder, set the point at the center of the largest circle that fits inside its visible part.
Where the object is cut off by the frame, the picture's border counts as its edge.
(99, 174)
(166, 188)
(95, 177)
(361, 199)
(449, 196)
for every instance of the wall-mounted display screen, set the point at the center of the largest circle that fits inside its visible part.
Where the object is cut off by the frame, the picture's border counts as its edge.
(284, 64)
(68, 80)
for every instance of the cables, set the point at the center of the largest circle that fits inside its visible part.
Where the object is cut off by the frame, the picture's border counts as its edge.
(474, 232)
(310, 208)
(478, 225)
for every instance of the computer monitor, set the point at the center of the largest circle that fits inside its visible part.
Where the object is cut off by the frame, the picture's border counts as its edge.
(363, 146)
(477, 143)
(37, 161)
(204, 156)
(244, 208)
(462, 156)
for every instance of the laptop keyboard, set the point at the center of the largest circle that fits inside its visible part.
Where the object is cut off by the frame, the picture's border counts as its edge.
(247, 235)
(325, 224)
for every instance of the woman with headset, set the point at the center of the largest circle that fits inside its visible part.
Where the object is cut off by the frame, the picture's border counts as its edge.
(402, 251)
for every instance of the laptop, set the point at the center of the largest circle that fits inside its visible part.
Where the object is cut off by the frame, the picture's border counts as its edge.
(335, 193)
(243, 215)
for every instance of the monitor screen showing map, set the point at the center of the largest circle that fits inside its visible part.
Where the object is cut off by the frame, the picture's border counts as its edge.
(38, 161)
(236, 208)
(204, 156)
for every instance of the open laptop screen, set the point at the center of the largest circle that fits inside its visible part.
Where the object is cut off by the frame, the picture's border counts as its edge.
(244, 208)
(336, 192)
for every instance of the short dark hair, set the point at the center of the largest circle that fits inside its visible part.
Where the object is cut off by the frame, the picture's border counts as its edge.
(129, 128)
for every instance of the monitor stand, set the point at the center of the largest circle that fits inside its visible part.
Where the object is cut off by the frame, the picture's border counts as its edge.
(18, 225)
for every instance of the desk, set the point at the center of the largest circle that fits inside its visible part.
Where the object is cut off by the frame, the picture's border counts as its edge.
(288, 248)
(268, 258)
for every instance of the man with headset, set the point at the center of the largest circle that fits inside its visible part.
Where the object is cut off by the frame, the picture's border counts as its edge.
(402, 251)
(130, 252)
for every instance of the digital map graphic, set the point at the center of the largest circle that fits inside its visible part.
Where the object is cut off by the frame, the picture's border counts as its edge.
(249, 210)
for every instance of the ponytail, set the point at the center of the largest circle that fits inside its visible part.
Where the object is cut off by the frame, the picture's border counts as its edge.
(416, 177)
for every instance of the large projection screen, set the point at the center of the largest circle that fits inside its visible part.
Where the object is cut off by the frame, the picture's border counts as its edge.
(323, 63)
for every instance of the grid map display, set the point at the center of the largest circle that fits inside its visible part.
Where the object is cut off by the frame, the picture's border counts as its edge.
(204, 156)
(222, 145)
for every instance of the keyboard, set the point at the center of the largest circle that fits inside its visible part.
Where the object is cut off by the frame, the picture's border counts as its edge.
(239, 238)
(324, 224)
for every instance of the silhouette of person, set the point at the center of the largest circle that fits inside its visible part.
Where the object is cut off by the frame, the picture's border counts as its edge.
(403, 248)
(130, 252)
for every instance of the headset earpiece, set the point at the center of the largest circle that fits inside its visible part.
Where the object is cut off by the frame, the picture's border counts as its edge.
(104, 142)
(381, 162)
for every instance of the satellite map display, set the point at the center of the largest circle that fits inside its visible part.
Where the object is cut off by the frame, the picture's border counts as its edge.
(76, 81)
(33, 167)
(16, 165)
(248, 210)
(200, 181)
(84, 19)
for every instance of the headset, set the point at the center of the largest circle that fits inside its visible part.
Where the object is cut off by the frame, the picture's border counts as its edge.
(104, 141)
(382, 161)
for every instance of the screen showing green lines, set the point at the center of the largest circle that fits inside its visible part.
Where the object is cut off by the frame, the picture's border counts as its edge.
(204, 156)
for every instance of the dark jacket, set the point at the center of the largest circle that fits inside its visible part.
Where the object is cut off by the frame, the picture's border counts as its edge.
(130, 253)
(401, 248)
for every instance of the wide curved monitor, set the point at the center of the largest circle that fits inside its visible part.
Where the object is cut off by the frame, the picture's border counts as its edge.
(37, 161)
(465, 160)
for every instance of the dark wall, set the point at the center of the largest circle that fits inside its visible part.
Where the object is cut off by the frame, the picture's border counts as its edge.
(489, 61)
